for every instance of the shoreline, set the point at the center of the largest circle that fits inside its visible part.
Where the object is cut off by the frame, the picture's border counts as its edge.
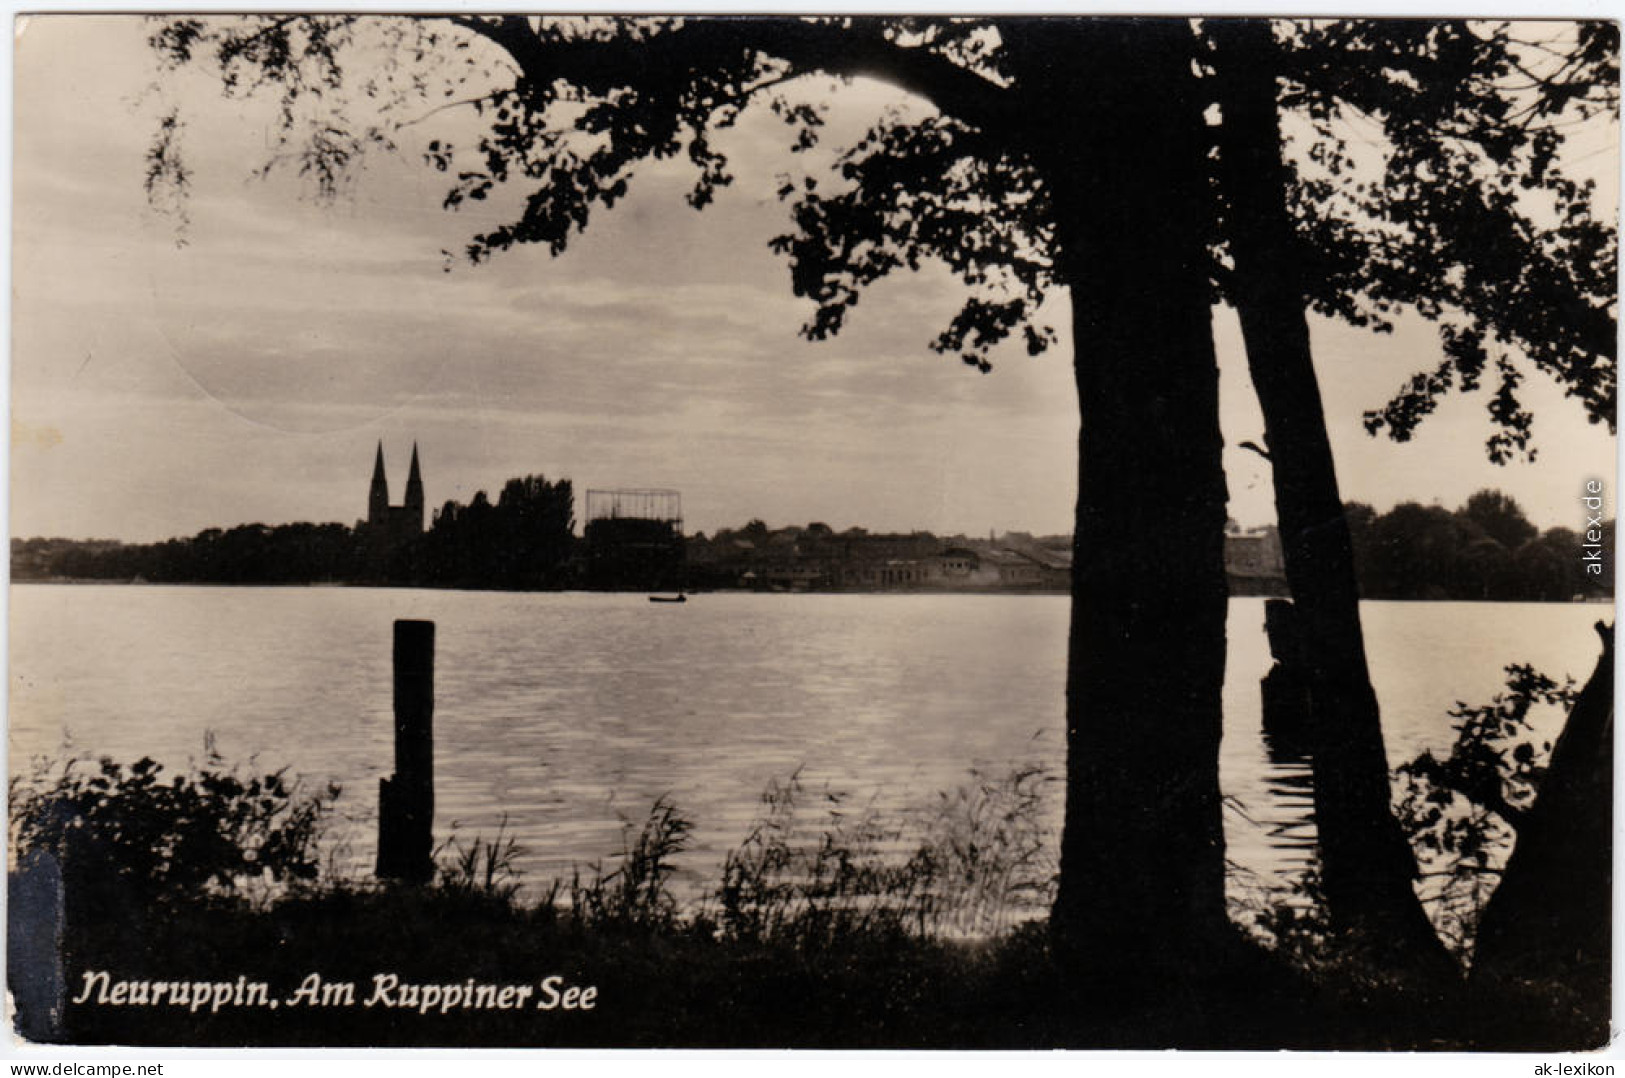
(1600, 600)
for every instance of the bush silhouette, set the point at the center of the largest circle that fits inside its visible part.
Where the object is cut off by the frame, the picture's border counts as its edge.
(128, 835)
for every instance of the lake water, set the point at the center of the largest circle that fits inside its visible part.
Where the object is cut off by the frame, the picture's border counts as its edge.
(571, 713)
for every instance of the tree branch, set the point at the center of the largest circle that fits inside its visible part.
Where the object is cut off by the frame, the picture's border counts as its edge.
(231, 49)
(514, 40)
(806, 47)
(451, 105)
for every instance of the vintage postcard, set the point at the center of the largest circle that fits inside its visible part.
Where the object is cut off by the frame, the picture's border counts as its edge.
(812, 531)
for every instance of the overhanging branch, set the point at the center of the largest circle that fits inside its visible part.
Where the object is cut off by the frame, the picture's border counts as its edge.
(858, 49)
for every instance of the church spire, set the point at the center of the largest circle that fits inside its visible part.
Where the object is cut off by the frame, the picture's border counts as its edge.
(414, 493)
(378, 496)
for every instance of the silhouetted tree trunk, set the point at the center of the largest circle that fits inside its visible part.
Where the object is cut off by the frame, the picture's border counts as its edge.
(1547, 928)
(1367, 866)
(1142, 856)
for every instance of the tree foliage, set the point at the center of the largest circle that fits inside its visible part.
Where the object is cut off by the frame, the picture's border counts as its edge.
(1428, 172)
(523, 541)
(1467, 216)
(1463, 808)
(1486, 549)
(1500, 518)
(127, 832)
(298, 553)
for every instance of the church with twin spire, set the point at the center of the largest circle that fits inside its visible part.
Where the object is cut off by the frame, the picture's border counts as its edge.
(394, 525)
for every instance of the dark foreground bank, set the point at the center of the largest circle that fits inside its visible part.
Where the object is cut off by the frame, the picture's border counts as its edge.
(402, 967)
(463, 962)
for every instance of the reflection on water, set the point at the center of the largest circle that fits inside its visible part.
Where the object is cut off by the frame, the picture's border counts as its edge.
(1289, 791)
(571, 713)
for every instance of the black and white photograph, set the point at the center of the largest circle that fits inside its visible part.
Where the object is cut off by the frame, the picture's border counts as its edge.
(815, 531)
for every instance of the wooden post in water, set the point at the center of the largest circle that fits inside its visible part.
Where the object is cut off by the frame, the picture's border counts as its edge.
(1285, 688)
(406, 798)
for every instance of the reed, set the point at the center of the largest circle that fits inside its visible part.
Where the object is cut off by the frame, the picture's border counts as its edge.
(636, 894)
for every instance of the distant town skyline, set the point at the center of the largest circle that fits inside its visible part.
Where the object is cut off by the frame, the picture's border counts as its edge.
(159, 389)
(409, 470)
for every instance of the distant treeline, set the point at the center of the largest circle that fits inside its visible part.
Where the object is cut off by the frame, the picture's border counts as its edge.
(246, 554)
(1486, 549)
(524, 541)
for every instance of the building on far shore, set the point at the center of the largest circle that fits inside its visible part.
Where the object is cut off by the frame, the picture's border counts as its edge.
(634, 538)
(816, 558)
(389, 529)
(1253, 562)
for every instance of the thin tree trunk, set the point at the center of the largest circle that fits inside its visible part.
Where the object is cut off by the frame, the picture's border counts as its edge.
(1547, 930)
(1141, 895)
(1367, 866)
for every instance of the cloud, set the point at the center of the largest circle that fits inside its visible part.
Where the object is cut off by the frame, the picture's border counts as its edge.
(248, 374)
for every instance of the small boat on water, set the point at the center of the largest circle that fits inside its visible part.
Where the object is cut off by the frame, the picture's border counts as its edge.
(678, 598)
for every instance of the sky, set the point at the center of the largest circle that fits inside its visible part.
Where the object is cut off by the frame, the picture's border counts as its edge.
(244, 368)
